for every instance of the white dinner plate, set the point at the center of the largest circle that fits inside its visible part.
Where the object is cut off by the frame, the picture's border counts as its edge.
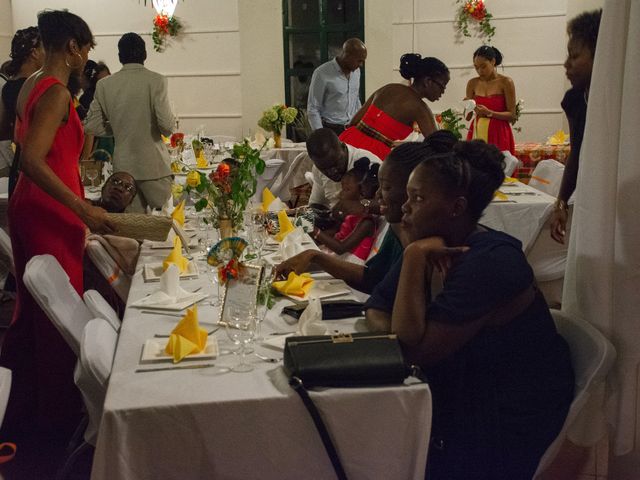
(324, 289)
(153, 351)
(187, 301)
(153, 271)
(168, 244)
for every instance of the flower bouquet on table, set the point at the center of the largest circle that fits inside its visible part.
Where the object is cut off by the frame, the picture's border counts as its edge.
(276, 117)
(224, 193)
(453, 121)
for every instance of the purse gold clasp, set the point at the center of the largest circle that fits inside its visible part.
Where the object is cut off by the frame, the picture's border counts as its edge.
(342, 338)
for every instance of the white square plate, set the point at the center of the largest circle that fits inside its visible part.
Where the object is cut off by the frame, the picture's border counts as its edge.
(324, 289)
(153, 351)
(153, 271)
(168, 244)
(173, 307)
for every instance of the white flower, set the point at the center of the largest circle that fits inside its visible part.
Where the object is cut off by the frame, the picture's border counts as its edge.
(270, 143)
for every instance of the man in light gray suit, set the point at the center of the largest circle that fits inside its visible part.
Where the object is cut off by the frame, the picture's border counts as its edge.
(133, 106)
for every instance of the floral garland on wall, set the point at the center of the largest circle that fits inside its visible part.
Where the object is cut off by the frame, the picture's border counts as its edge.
(474, 11)
(164, 27)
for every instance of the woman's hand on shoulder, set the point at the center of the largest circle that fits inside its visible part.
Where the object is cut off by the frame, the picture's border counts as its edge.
(435, 252)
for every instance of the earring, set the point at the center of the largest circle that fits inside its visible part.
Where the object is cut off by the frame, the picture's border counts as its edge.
(74, 67)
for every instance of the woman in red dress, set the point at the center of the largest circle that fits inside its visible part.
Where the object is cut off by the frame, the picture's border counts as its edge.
(389, 114)
(495, 97)
(48, 215)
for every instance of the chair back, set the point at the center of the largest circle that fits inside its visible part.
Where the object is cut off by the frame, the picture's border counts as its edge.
(273, 168)
(98, 346)
(592, 356)
(7, 250)
(100, 308)
(109, 268)
(547, 177)
(281, 188)
(381, 231)
(50, 287)
(5, 388)
(510, 163)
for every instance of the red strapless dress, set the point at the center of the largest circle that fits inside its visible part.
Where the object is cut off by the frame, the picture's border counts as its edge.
(491, 130)
(376, 132)
(43, 390)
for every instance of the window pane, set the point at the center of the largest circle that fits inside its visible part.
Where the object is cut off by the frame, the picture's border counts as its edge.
(300, 88)
(343, 11)
(304, 48)
(303, 13)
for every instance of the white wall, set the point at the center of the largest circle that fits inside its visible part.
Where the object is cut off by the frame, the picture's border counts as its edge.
(531, 36)
(6, 30)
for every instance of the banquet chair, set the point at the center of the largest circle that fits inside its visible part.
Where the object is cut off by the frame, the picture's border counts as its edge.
(97, 350)
(50, 287)
(272, 170)
(547, 177)
(7, 250)
(5, 388)
(592, 356)
(108, 267)
(100, 308)
(381, 231)
(510, 163)
(281, 188)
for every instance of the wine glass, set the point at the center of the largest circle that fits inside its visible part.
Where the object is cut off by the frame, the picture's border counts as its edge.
(91, 174)
(241, 329)
(264, 290)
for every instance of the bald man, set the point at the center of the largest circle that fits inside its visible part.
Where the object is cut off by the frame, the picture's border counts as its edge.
(333, 93)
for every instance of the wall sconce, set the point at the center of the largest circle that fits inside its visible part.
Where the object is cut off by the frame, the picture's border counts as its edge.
(165, 7)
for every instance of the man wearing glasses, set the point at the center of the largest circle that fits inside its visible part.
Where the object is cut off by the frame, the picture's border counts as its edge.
(118, 192)
(331, 160)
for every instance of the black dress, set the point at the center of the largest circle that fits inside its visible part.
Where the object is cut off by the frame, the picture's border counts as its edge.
(500, 400)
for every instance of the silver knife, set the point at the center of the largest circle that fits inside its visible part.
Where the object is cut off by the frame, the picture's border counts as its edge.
(177, 367)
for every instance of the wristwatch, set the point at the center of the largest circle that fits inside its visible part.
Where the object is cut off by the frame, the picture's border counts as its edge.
(366, 202)
(490, 114)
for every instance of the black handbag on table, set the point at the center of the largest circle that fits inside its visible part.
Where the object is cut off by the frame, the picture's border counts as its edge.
(353, 360)
(331, 309)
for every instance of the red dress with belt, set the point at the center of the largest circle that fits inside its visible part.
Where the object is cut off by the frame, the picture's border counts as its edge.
(42, 363)
(491, 130)
(376, 132)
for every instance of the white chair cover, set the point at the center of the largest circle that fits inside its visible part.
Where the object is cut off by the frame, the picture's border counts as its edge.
(107, 266)
(100, 308)
(273, 168)
(93, 370)
(383, 226)
(281, 188)
(547, 177)
(7, 250)
(510, 163)
(50, 287)
(592, 356)
(5, 388)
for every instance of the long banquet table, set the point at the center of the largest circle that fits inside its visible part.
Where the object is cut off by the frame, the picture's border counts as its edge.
(214, 423)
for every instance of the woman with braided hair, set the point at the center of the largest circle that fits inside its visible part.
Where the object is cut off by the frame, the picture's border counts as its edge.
(389, 114)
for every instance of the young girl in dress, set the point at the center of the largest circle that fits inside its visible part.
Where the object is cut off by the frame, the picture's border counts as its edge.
(356, 235)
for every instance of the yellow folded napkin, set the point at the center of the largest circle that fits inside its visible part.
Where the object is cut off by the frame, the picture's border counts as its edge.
(558, 138)
(178, 214)
(510, 180)
(286, 227)
(201, 162)
(267, 198)
(187, 337)
(176, 257)
(298, 285)
(500, 196)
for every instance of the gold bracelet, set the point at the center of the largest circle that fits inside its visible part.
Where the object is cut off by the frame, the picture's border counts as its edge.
(561, 205)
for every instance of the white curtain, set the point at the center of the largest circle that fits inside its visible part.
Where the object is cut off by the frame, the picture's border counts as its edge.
(602, 283)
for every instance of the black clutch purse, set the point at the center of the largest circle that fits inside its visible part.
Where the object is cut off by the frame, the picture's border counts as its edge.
(353, 360)
(331, 309)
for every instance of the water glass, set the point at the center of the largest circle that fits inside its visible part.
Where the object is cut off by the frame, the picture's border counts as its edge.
(241, 329)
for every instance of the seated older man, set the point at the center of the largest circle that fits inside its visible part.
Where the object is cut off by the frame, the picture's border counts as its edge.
(331, 159)
(118, 192)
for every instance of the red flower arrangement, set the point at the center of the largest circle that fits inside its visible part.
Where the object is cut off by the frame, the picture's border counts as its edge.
(177, 140)
(476, 11)
(163, 27)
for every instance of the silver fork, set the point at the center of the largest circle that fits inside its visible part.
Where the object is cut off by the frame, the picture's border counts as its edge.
(267, 359)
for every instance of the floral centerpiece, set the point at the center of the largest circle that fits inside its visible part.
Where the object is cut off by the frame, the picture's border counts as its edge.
(453, 121)
(474, 11)
(225, 192)
(276, 117)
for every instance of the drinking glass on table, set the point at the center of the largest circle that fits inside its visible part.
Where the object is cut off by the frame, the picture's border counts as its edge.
(91, 174)
(241, 329)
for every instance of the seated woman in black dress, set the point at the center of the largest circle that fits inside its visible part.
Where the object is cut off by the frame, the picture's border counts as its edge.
(500, 374)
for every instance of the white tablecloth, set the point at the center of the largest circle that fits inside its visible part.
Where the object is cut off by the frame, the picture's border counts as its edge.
(213, 423)
(522, 215)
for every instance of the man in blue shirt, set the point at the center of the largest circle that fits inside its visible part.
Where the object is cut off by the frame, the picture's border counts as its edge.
(333, 94)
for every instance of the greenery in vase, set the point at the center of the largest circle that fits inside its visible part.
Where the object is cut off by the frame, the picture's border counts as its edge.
(276, 117)
(474, 11)
(226, 192)
(452, 121)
